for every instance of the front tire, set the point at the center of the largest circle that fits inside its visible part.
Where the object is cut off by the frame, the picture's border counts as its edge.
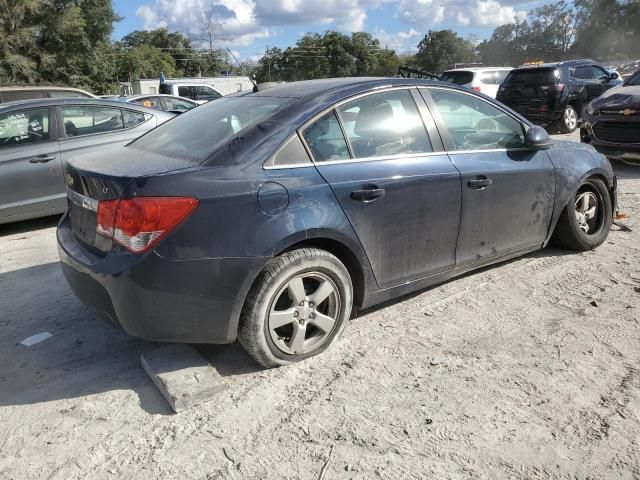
(297, 308)
(585, 222)
(569, 121)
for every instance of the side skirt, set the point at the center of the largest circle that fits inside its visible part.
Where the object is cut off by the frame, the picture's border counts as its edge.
(385, 295)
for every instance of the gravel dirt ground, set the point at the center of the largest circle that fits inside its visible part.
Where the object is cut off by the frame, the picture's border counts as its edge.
(526, 370)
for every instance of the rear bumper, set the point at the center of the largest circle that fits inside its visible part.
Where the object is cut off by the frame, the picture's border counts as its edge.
(195, 301)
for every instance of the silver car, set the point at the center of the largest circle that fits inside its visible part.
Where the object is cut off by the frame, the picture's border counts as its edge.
(168, 103)
(38, 136)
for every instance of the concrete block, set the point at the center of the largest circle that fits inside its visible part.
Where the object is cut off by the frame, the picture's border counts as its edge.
(182, 375)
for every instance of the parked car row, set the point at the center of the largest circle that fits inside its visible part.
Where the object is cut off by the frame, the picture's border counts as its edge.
(37, 137)
(42, 127)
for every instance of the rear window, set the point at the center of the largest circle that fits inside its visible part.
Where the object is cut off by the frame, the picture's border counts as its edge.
(458, 77)
(17, 95)
(495, 77)
(67, 94)
(533, 77)
(198, 133)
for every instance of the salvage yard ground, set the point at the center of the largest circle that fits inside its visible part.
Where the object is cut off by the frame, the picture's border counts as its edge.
(525, 370)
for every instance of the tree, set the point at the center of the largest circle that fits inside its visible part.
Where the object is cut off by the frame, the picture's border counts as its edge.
(57, 41)
(18, 40)
(144, 61)
(439, 49)
(189, 61)
(330, 55)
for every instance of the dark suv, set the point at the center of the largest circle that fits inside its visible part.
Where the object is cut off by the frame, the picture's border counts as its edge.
(554, 94)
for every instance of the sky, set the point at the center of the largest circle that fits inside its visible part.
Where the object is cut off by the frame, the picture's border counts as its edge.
(250, 26)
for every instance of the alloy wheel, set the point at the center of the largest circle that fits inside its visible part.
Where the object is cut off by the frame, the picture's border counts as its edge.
(587, 207)
(304, 313)
(570, 119)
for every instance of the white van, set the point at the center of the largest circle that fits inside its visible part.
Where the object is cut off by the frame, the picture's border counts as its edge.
(480, 79)
(198, 92)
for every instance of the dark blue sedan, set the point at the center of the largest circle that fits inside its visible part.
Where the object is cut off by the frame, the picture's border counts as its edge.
(268, 217)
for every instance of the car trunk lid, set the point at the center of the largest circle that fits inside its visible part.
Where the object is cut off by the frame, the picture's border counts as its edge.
(105, 176)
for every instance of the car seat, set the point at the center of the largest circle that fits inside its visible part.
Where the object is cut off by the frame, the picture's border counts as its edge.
(70, 129)
(373, 129)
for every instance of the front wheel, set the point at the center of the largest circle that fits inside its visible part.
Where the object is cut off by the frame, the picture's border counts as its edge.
(585, 222)
(297, 308)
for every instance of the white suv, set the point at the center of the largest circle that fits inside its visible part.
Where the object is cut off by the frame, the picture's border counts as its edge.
(482, 79)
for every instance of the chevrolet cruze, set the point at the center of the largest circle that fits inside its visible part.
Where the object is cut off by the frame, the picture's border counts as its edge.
(268, 217)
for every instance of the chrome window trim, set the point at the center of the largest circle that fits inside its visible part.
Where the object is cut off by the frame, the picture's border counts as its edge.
(323, 112)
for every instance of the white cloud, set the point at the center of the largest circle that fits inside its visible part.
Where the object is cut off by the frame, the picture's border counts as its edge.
(401, 42)
(246, 20)
(484, 13)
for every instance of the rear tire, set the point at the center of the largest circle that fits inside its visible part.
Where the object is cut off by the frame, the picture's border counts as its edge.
(297, 307)
(585, 222)
(569, 120)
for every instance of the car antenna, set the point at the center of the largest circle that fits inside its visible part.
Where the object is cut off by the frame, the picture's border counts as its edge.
(255, 85)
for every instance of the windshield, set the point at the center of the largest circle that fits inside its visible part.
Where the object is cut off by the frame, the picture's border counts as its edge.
(634, 81)
(533, 77)
(458, 77)
(198, 133)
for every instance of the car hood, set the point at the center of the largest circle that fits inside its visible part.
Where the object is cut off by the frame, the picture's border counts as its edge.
(621, 97)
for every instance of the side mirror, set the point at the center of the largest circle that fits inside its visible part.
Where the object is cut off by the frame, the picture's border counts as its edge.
(537, 138)
(613, 76)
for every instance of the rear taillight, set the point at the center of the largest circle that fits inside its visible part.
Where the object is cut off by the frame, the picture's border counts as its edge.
(476, 89)
(140, 223)
(559, 88)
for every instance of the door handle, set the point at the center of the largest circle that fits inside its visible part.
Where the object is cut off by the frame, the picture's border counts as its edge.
(479, 183)
(42, 159)
(367, 195)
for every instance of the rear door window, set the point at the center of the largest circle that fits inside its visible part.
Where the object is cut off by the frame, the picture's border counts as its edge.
(131, 118)
(88, 120)
(475, 124)
(325, 139)
(18, 128)
(384, 124)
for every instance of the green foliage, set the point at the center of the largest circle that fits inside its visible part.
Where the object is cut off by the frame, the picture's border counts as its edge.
(188, 61)
(439, 49)
(333, 54)
(64, 42)
(599, 29)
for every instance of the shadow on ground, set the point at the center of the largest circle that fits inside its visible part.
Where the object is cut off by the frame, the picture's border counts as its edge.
(85, 355)
(28, 225)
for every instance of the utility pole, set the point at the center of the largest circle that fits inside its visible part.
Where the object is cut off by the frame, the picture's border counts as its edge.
(268, 62)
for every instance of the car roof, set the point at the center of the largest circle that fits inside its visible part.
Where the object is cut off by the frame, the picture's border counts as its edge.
(127, 98)
(310, 88)
(565, 63)
(478, 69)
(49, 102)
